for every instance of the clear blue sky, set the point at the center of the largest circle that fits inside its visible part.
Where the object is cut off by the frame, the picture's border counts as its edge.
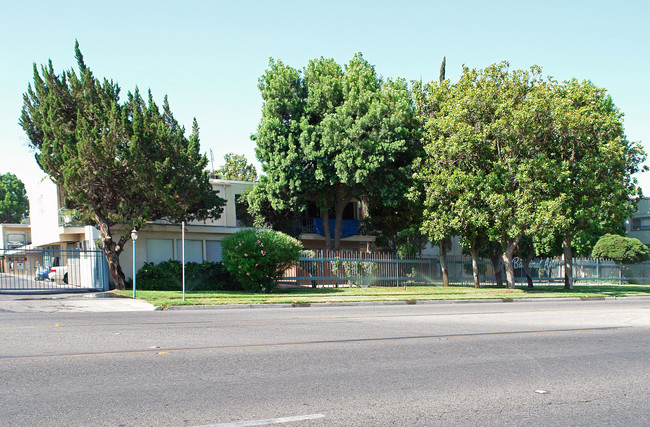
(208, 55)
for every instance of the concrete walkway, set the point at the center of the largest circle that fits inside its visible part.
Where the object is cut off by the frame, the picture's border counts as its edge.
(41, 301)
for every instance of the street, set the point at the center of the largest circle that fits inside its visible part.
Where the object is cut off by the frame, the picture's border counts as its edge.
(499, 363)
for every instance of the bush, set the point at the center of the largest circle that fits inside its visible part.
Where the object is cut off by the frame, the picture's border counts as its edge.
(167, 276)
(623, 249)
(256, 258)
(364, 272)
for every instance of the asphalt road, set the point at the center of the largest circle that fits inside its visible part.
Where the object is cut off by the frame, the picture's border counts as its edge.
(523, 363)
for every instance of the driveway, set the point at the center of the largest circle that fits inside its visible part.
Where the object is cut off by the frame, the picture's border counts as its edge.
(58, 301)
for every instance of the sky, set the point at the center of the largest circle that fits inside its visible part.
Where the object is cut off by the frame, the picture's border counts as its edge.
(207, 56)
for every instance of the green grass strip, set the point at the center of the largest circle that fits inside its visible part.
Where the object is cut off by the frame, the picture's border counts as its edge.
(412, 293)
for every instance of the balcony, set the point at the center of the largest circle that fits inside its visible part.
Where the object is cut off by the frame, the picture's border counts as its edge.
(67, 219)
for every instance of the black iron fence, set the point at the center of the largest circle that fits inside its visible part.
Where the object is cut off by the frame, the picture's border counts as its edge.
(48, 268)
(339, 268)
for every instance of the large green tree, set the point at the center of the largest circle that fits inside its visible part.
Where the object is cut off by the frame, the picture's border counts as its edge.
(595, 164)
(330, 134)
(14, 205)
(116, 163)
(485, 172)
(236, 168)
(511, 154)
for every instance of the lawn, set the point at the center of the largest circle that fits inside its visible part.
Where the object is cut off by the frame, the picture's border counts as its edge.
(165, 299)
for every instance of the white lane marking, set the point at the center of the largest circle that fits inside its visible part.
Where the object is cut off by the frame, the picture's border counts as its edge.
(267, 421)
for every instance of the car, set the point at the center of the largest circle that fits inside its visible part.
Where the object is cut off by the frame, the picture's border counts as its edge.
(58, 274)
(42, 273)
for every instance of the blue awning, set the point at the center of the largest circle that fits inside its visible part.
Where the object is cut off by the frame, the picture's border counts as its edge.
(349, 227)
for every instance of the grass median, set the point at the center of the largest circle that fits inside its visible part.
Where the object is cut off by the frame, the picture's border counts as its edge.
(165, 299)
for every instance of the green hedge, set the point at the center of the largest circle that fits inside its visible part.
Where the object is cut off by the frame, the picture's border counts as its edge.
(627, 250)
(167, 276)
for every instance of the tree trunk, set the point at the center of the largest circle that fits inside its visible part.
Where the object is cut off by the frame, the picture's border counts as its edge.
(474, 252)
(325, 216)
(341, 203)
(495, 257)
(112, 253)
(525, 262)
(114, 268)
(568, 263)
(507, 262)
(443, 262)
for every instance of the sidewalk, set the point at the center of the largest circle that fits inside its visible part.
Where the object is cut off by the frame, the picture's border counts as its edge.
(55, 301)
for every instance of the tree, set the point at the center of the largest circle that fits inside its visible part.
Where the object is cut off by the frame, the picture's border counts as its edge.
(256, 202)
(595, 164)
(429, 100)
(479, 173)
(622, 249)
(526, 250)
(398, 228)
(331, 135)
(115, 163)
(14, 205)
(236, 168)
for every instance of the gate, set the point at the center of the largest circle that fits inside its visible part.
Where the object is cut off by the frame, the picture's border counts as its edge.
(47, 268)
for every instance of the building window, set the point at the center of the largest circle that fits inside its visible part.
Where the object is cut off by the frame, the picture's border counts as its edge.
(193, 250)
(640, 224)
(213, 251)
(14, 240)
(159, 250)
(243, 218)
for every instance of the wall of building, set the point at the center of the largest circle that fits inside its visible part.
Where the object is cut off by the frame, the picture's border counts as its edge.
(44, 212)
(14, 235)
(157, 243)
(638, 226)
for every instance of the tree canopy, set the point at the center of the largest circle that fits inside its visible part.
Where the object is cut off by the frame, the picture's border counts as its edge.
(512, 154)
(595, 164)
(116, 163)
(330, 134)
(478, 177)
(236, 168)
(14, 205)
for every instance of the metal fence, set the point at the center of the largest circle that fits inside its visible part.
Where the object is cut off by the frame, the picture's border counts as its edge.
(50, 268)
(339, 268)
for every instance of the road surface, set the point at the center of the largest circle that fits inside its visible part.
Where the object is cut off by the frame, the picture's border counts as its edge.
(521, 363)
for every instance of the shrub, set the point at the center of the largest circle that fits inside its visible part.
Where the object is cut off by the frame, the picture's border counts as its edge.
(364, 272)
(256, 258)
(623, 249)
(167, 276)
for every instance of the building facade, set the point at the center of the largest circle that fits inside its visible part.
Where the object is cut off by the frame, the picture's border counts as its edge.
(638, 226)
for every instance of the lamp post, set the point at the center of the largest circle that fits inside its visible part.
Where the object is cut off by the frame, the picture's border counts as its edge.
(134, 237)
(183, 251)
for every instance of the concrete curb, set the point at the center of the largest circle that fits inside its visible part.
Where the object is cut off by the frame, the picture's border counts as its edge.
(405, 302)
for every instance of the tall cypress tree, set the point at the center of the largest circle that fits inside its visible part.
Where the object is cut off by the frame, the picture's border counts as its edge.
(116, 164)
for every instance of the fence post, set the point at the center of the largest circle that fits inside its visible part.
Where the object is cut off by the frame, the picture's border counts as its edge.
(620, 273)
(396, 269)
(322, 268)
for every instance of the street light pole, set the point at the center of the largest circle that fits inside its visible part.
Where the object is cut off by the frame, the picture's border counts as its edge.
(134, 237)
